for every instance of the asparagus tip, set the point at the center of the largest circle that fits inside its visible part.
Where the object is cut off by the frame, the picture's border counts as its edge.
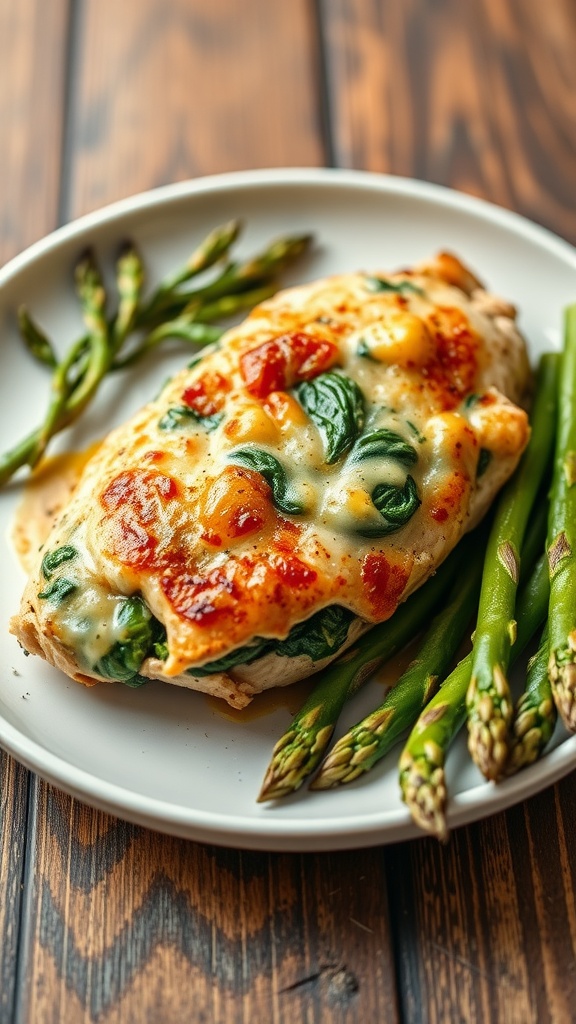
(295, 756)
(424, 792)
(335, 767)
(562, 674)
(489, 717)
(125, 248)
(85, 258)
(532, 728)
(274, 788)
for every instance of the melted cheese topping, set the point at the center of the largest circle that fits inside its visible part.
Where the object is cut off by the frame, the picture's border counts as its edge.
(223, 550)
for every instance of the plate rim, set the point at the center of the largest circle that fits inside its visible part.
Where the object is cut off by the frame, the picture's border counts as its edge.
(281, 176)
(287, 834)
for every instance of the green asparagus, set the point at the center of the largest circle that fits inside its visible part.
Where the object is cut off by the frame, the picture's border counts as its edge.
(422, 777)
(488, 700)
(368, 741)
(535, 714)
(301, 748)
(561, 544)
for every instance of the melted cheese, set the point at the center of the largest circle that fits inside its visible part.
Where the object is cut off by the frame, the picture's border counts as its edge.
(173, 509)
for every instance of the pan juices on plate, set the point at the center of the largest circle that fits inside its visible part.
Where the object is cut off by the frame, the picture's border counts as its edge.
(288, 489)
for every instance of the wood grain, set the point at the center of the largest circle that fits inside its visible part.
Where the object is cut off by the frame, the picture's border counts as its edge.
(129, 925)
(485, 927)
(181, 89)
(13, 806)
(31, 95)
(473, 95)
(33, 44)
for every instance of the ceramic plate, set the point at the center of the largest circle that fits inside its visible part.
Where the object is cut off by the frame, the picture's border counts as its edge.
(169, 758)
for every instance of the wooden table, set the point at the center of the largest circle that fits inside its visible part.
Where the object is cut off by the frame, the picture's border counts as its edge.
(101, 921)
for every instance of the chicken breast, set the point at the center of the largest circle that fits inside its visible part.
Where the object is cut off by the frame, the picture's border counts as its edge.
(288, 489)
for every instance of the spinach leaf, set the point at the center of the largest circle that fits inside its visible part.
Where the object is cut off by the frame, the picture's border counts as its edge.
(319, 637)
(363, 350)
(241, 656)
(137, 629)
(53, 559)
(383, 284)
(179, 415)
(336, 405)
(274, 474)
(417, 434)
(470, 401)
(160, 647)
(135, 681)
(58, 590)
(395, 504)
(384, 443)
(484, 460)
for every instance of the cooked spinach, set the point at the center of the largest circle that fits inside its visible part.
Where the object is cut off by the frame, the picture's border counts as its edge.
(58, 590)
(53, 559)
(364, 351)
(135, 681)
(470, 401)
(383, 284)
(484, 460)
(383, 443)
(319, 637)
(417, 434)
(160, 647)
(137, 629)
(335, 404)
(241, 656)
(179, 415)
(395, 504)
(274, 474)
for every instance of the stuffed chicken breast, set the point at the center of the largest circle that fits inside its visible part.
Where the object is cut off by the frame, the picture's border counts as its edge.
(288, 489)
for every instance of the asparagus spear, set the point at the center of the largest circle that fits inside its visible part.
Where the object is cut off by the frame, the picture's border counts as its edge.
(70, 397)
(211, 249)
(561, 545)
(368, 741)
(301, 748)
(37, 343)
(238, 277)
(489, 702)
(129, 280)
(187, 315)
(187, 326)
(535, 715)
(77, 376)
(422, 777)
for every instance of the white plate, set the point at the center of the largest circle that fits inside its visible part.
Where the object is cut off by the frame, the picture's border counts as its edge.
(161, 756)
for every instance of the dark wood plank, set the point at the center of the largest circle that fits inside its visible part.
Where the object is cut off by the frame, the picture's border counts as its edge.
(476, 96)
(459, 934)
(128, 925)
(122, 924)
(487, 929)
(33, 40)
(167, 91)
(13, 805)
(32, 44)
